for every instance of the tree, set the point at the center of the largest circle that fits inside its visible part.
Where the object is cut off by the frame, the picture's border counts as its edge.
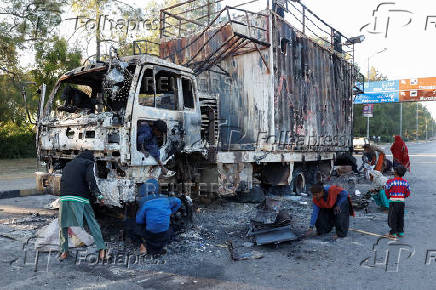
(53, 59)
(107, 21)
(24, 24)
(386, 120)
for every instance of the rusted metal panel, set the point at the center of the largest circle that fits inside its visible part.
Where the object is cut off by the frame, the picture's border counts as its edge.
(218, 40)
(243, 99)
(178, 51)
(313, 90)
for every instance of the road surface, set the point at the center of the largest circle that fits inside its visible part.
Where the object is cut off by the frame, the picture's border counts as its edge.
(17, 174)
(315, 263)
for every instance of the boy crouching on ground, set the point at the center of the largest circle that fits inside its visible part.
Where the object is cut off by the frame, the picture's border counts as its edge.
(397, 190)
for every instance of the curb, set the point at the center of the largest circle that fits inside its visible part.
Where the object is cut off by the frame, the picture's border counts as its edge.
(19, 193)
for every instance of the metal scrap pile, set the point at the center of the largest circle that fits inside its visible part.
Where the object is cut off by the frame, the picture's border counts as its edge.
(358, 188)
(271, 223)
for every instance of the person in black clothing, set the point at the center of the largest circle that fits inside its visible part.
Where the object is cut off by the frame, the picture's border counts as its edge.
(346, 159)
(77, 187)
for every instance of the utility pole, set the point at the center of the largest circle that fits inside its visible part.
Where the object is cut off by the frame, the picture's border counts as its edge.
(369, 58)
(417, 121)
(426, 135)
(367, 128)
(401, 119)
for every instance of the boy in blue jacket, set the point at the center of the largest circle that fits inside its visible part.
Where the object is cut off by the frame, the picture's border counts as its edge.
(155, 212)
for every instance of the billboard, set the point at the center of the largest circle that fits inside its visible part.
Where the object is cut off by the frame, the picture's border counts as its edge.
(421, 89)
(405, 90)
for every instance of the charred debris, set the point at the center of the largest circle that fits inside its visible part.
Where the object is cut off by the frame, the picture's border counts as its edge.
(249, 97)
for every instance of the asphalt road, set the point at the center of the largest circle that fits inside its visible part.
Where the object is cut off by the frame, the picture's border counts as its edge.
(315, 263)
(17, 174)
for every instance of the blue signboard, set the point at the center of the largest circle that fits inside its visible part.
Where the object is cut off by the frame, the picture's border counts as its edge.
(381, 87)
(378, 92)
(393, 97)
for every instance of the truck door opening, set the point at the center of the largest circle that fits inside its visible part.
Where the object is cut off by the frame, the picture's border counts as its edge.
(188, 97)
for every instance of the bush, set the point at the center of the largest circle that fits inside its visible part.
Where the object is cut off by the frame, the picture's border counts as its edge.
(17, 141)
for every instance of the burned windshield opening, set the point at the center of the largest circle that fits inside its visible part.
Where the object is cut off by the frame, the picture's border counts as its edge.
(95, 91)
(76, 97)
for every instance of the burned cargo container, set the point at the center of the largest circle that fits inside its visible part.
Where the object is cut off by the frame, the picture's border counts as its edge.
(246, 96)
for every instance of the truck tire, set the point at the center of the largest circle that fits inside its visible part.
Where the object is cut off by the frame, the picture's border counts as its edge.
(298, 183)
(317, 177)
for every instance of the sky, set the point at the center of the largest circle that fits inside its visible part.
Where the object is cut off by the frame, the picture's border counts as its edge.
(410, 45)
(410, 49)
(408, 41)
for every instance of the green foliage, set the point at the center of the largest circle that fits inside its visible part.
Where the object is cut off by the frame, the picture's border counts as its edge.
(11, 101)
(26, 27)
(16, 141)
(53, 59)
(24, 23)
(386, 121)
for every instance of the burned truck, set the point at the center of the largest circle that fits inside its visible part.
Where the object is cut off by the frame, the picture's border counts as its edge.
(247, 98)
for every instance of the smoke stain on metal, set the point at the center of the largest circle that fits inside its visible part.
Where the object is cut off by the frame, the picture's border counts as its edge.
(263, 93)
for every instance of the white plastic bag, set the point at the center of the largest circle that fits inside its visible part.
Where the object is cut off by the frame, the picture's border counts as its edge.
(56, 204)
(378, 179)
(48, 237)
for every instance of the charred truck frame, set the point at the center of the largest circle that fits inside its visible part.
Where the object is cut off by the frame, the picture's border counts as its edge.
(246, 96)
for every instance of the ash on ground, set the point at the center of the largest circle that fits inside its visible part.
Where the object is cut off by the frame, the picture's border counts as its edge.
(205, 239)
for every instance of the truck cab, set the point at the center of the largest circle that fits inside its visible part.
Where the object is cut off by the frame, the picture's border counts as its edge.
(99, 108)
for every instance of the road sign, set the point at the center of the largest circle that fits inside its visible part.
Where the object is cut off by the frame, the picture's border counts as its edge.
(378, 92)
(421, 89)
(368, 110)
(381, 87)
(405, 90)
(377, 98)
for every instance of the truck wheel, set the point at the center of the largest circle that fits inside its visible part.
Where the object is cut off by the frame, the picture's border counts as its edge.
(298, 181)
(317, 177)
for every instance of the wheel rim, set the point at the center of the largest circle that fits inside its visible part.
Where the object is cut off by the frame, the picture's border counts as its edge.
(300, 183)
(318, 177)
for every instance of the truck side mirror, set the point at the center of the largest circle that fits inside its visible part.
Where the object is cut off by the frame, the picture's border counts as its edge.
(41, 91)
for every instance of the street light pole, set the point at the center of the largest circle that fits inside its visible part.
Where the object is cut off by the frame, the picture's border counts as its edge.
(426, 132)
(381, 51)
(367, 128)
(417, 121)
(401, 119)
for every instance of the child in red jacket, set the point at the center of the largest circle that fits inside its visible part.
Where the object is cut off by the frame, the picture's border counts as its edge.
(397, 190)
